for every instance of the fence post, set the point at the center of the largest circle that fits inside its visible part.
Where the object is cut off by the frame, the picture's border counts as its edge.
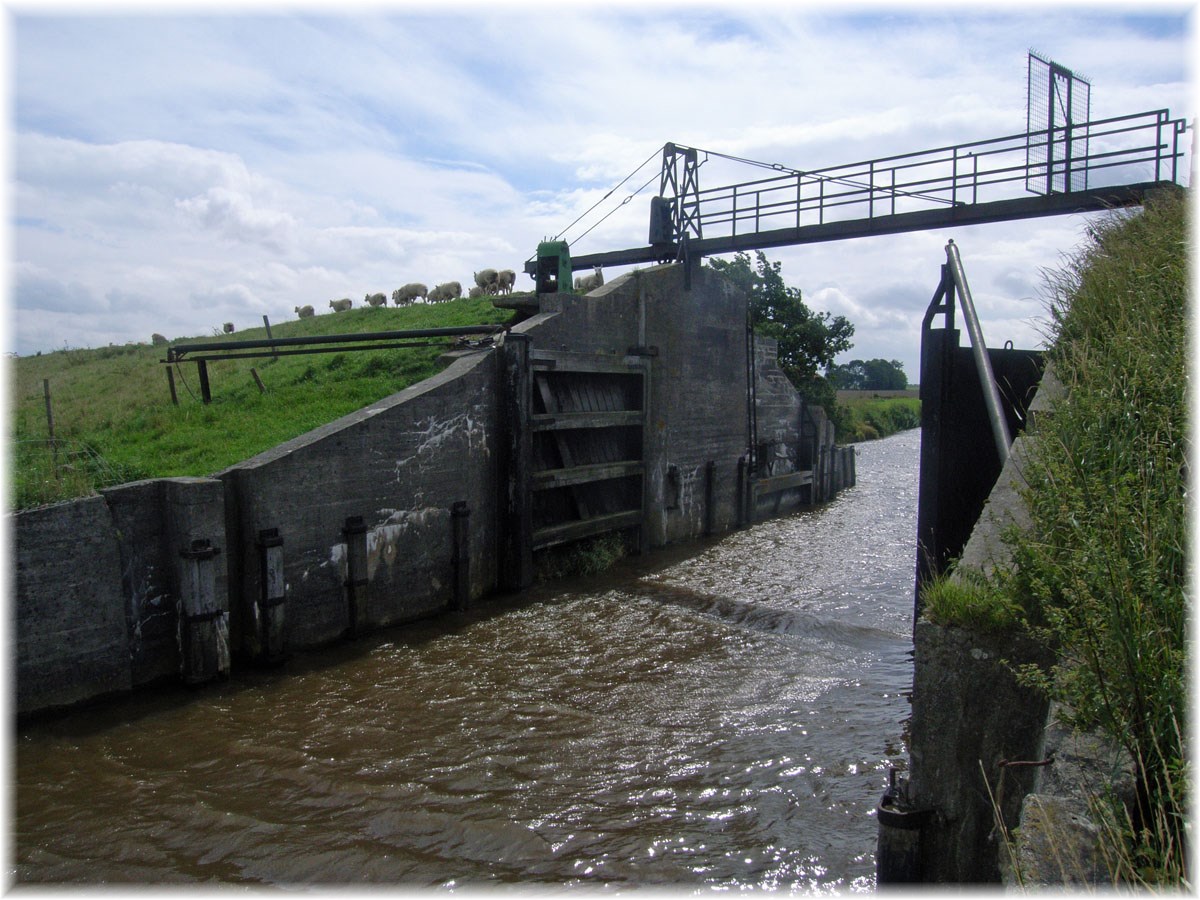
(50, 424)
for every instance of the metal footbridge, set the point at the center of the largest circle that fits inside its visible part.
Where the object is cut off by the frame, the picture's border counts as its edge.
(1060, 169)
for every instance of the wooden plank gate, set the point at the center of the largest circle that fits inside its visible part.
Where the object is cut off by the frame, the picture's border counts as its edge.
(587, 418)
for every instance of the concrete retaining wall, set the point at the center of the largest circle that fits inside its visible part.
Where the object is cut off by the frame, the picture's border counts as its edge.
(395, 512)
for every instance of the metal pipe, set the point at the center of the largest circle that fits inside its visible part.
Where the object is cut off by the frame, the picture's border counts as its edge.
(991, 394)
(178, 351)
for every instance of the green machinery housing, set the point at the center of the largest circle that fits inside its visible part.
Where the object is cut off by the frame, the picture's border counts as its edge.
(553, 267)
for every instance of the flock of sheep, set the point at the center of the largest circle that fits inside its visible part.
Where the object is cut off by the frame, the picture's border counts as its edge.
(488, 282)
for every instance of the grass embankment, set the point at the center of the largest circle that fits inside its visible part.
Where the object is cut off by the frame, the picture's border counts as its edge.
(869, 416)
(1101, 574)
(114, 420)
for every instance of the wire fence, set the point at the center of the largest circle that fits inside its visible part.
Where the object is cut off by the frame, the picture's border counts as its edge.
(47, 471)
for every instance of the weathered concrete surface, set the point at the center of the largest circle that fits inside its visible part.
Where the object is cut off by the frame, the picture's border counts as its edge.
(1059, 843)
(696, 341)
(71, 635)
(970, 715)
(1005, 507)
(400, 464)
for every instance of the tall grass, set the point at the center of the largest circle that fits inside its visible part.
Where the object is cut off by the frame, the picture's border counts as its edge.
(1106, 558)
(113, 403)
(1101, 573)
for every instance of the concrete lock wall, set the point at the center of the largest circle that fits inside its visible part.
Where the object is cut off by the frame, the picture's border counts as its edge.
(395, 512)
(363, 508)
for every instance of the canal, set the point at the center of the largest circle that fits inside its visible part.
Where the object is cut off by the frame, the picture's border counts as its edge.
(717, 715)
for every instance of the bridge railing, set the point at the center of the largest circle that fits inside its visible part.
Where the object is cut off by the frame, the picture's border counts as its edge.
(1144, 147)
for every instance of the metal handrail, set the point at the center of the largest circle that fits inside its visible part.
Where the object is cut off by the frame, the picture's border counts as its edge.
(933, 176)
(991, 393)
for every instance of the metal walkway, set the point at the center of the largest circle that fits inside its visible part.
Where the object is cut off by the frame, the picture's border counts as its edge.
(1089, 166)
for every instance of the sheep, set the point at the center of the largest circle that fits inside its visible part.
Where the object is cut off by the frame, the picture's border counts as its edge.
(376, 299)
(505, 279)
(485, 279)
(451, 290)
(474, 292)
(157, 339)
(227, 328)
(341, 305)
(405, 295)
(589, 283)
(305, 312)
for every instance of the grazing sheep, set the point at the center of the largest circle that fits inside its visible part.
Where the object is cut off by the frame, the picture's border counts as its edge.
(227, 328)
(485, 278)
(157, 339)
(405, 295)
(589, 283)
(505, 279)
(451, 290)
(376, 299)
(341, 305)
(305, 312)
(474, 292)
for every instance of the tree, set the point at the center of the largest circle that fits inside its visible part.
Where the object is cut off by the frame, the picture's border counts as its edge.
(871, 375)
(808, 341)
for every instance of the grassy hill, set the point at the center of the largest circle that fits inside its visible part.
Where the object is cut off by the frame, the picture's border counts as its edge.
(114, 421)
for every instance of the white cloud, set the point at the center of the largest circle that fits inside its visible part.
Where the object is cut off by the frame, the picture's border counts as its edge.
(189, 170)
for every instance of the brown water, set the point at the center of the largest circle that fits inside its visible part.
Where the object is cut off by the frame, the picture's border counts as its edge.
(720, 715)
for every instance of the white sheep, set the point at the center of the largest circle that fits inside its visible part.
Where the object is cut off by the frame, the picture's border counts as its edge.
(589, 283)
(341, 305)
(227, 328)
(450, 290)
(485, 278)
(305, 312)
(505, 279)
(403, 296)
(376, 299)
(474, 292)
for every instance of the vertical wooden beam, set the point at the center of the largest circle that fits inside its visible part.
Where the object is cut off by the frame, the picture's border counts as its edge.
(354, 533)
(516, 533)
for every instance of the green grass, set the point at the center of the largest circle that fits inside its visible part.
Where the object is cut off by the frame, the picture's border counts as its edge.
(115, 421)
(970, 601)
(868, 418)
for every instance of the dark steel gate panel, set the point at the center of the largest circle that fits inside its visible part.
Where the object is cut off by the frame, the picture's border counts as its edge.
(588, 424)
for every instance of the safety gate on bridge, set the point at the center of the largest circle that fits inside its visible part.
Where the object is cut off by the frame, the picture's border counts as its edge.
(587, 418)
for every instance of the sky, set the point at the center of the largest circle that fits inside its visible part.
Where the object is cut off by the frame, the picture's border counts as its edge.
(172, 169)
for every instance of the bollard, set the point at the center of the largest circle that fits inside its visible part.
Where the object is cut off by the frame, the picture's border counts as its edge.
(460, 517)
(897, 853)
(269, 612)
(355, 534)
(203, 625)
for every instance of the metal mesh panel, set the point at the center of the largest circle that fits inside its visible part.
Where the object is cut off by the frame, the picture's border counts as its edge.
(1058, 108)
